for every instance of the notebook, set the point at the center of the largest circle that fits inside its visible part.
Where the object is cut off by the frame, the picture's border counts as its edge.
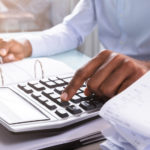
(30, 97)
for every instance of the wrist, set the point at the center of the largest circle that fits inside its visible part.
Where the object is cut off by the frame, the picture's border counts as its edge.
(27, 48)
(145, 64)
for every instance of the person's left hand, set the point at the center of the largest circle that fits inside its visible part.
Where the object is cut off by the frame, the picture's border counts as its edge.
(106, 75)
(14, 49)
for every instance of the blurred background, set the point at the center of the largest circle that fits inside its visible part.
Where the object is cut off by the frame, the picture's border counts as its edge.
(38, 15)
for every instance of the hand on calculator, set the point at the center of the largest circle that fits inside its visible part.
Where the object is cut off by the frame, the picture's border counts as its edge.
(106, 74)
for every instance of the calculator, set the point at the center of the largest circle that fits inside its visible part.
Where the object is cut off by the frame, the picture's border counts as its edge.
(36, 105)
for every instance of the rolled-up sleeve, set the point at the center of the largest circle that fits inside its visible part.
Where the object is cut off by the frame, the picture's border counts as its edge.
(67, 35)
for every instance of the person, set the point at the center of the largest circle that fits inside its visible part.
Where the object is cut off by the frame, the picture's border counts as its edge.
(123, 30)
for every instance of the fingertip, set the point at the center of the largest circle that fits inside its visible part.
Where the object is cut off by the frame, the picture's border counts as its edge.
(64, 96)
(87, 92)
(3, 52)
(9, 58)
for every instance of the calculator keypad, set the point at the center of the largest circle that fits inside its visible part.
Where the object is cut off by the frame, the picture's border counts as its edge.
(47, 92)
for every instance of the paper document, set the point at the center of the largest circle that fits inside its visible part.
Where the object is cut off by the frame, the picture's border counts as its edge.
(23, 70)
(128, 113)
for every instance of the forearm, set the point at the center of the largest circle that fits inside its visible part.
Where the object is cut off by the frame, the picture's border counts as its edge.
(67, 35)
(58, 39)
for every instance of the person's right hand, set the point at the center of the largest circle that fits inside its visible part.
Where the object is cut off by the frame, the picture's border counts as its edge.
(13, 50)
(107, 74)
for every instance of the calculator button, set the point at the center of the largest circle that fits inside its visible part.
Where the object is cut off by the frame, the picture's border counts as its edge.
(78, 92)
(67, 80)
(97, 103)
(89, 98)
(44, 80)
(82, 89)
(82, 95)
(32, 83)
(60, 82)
(62, 113)
(59, 90)
(27, 89)
(50, 105)
(73, 109)
(62, 103)
(53, 78)
(42, 99)
(76, 99)
(38, 87)
(21, 85)
(46, 92)
(35, 95)
(84, 84)
(87, 106)
(54, 96)
(50, 84)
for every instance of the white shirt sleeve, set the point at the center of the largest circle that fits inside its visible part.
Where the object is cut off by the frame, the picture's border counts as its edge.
(67, 35)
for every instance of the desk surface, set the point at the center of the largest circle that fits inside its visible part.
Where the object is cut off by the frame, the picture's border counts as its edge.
(72, 58)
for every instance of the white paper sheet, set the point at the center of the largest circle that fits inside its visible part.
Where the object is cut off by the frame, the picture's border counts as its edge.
(22, 71)
(129, 112)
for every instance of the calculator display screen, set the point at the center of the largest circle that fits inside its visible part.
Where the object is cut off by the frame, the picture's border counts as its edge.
(14, 109)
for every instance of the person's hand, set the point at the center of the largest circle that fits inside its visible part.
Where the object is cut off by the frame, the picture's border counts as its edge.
(13, 50)
(107, 74)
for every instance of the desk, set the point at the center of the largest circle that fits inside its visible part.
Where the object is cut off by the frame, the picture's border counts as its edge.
(73, 58)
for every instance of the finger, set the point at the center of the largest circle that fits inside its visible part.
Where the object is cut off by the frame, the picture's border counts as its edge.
(83, 74)
(3, 52)
(126, 84)
(129, 81)
(9, 58)
(110, 86)
(87, 92)
(4, 48)
(102, 74)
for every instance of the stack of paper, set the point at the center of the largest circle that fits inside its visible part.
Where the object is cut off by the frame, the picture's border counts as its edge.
(128, 113)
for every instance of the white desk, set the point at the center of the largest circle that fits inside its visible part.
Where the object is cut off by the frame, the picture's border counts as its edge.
(73, 58)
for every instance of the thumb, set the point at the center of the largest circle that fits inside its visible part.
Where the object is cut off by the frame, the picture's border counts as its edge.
(5, 47)
(9, 58)
(3, 52)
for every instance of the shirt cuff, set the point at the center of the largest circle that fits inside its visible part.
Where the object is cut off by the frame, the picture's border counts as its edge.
(38, 45)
